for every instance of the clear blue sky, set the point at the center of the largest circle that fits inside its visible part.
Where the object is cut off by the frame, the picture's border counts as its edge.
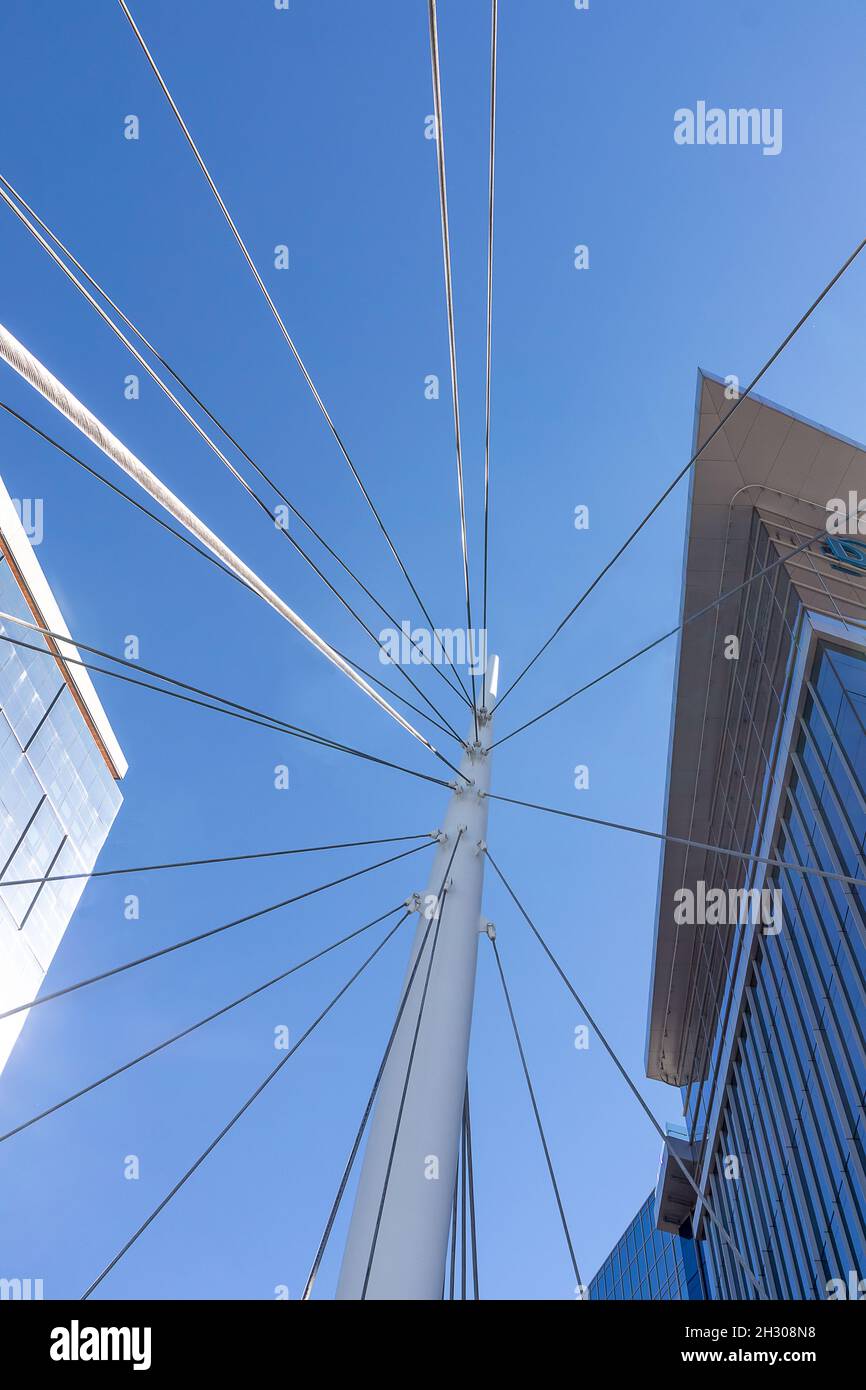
(312, 121)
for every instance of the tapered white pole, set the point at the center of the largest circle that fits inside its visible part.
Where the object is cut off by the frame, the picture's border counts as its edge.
(410, 1244)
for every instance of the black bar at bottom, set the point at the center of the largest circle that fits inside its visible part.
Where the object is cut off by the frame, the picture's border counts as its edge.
(66, 1337)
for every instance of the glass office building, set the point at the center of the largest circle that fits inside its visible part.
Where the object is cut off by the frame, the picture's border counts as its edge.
(647, 1263)
(794, 1113)
(758, 997)
(60, 766)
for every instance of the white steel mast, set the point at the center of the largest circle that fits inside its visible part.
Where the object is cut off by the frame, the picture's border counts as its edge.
(398, 1235)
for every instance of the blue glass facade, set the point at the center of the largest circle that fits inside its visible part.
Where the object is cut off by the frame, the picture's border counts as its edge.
(792, 1136)
(757, 1009)
(769, 1042)
(647, 1263)
(58, 800)
(773, 1047)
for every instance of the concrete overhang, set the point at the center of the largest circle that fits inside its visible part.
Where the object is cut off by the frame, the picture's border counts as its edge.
(768, 460)
(675, 1197)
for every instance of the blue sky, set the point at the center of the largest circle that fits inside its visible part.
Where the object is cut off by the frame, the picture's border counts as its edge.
(312, 121)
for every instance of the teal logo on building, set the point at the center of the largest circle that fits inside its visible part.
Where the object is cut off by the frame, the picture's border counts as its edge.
(850, 554)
